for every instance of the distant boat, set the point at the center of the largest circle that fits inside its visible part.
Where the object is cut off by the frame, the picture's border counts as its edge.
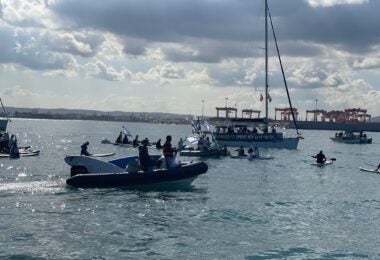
(244, 132)
(350, 137)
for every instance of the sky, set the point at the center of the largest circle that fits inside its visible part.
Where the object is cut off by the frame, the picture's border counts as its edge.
(188, 56)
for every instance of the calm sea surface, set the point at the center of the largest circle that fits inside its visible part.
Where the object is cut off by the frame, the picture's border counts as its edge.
(277, 209)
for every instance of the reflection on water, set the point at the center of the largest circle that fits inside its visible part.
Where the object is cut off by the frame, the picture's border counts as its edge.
(277, 209)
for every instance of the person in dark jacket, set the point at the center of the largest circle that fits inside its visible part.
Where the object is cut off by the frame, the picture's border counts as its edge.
(136, 141)
(84, 148)
(119, 139)
(125, 139)
(144, 157)
(321, 158)
(168, 151)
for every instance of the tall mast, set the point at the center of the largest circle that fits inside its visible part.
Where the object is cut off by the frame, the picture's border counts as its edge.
(266, 63)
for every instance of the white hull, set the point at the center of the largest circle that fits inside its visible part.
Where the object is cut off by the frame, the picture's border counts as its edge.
(93, 165)
(352, 141)
(285, 143)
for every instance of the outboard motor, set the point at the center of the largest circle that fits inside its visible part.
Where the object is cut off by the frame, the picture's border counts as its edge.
(78, 169)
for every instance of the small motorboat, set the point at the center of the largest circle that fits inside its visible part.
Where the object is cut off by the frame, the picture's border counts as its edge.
(92, 172)
(350, 137)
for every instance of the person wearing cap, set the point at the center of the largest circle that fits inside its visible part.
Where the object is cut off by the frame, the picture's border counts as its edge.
(84, 148)
(144, 157)
(168, 151)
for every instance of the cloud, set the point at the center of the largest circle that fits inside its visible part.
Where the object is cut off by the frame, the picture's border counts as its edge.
(17, 92)
(367, 63)
(162, 73)
(26, 13)
(23, 47)
(353, 94)
(77, 43)
(216, 31)
(101, 70)
(329, 3)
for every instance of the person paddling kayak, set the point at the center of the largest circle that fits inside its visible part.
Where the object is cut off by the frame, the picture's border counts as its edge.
(321, 158)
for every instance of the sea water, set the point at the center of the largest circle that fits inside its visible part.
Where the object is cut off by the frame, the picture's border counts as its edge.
(283, 208)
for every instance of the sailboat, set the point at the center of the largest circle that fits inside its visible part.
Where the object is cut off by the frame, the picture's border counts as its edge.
(244, 132)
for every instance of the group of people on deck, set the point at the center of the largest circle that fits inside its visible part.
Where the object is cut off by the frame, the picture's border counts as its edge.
(124, 140)
(169, 153)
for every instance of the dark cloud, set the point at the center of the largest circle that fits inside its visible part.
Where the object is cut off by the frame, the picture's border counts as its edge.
(228, 25)
(21, 47)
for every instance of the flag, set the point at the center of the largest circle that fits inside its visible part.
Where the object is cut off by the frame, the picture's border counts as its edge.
(269, 98)
(194, 126)
(192, 139)
(126, 132)
(206, 124)
(261, 97)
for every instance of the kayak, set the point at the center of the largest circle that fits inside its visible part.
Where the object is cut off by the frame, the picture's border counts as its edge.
(369, 170)
(327, 162)
(102, 154)
(25, 153)
(260, 157)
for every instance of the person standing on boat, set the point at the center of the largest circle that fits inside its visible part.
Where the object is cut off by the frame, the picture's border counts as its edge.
(84, 148)
(206, 143)
(321, 158)
(119, 139)
(144, 157)
(169, 152)
(180, 145)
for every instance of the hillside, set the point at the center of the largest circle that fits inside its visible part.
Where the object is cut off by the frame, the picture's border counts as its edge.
(82, 114)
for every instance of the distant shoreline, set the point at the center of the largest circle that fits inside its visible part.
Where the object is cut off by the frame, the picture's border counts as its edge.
(100, 118)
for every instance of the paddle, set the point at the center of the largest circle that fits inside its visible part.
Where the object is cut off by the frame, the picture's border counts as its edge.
(332, 159)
